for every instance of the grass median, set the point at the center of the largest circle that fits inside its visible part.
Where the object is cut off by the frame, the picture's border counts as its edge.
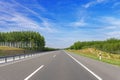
(94, 54)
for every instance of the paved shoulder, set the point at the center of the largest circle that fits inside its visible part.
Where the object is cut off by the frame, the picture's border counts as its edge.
(104, 70)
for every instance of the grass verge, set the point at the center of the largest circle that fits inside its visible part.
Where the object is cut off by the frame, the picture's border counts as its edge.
(94, 54)
(8, 51)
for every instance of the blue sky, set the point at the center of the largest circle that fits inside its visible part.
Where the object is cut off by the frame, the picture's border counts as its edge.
(62, 22)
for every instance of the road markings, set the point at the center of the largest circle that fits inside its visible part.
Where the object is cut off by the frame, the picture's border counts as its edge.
(54, 56)
(27, 78)
(85, 67)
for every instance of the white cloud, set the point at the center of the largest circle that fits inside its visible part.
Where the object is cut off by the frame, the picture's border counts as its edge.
(79, 23)
(91, 3)
(115, 34)
(111, 21)
(99, 1)
(112, 26)
(12, 19)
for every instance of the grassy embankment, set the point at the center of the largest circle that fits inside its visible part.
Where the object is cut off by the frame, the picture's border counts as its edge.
(94, 54)
(7, 51)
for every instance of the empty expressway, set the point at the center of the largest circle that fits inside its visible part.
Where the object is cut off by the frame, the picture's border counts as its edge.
(58, 65)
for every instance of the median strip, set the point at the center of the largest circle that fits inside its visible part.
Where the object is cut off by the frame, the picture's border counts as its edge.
(85, 67)
(27, 78)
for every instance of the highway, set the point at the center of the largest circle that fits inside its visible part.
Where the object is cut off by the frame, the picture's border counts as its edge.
(58, 65)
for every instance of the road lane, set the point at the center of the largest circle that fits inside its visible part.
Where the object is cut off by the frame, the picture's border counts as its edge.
(58, 66)
(27, 78)
(20, 70)
(63, 68)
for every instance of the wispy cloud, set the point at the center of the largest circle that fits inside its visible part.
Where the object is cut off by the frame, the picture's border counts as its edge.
(78, 23)
(12, 18)
(111, 26)
(62, 25)
(116, 4)
(111, 21)
(91, 3)
(115, 34)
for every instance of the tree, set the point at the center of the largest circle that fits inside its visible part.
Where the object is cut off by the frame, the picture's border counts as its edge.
(24, 39)
(110, 45)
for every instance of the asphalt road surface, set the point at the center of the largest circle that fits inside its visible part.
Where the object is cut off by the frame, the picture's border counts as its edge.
(58, 65)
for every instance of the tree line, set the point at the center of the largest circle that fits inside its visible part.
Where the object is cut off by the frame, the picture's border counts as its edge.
(22, 39)
(111, 45)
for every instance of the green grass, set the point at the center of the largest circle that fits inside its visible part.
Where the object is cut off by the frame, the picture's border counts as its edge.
(7, 51)
(93, 53)
(9, 48)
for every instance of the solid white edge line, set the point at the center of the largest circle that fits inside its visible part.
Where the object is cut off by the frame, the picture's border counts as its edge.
(84, 67)
(27, 78)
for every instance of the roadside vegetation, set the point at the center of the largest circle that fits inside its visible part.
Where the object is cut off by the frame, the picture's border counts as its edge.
(21, 42)
(9, 48)
(8, 51)
(111, 45)
(24, 39)
(109, 49)
(50, 49)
